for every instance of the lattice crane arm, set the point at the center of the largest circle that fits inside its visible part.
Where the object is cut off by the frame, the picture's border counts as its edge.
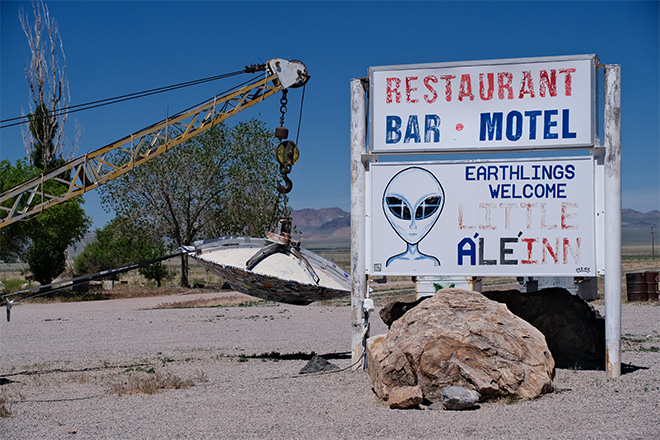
(98, 167)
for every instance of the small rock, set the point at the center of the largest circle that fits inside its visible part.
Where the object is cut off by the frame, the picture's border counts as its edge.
(436, 406)
(456, 397)
(405, 397)
(318, 364)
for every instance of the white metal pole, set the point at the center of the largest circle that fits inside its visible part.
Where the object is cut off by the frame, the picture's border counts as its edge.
(612, 116)
(358, 194)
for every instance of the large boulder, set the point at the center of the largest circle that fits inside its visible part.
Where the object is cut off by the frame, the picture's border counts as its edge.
(573, 330)
(459, 337)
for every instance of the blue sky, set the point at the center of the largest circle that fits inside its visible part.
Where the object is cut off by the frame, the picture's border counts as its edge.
(119, 47)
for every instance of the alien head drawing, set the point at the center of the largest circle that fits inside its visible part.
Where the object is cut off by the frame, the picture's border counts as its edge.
(412, 202)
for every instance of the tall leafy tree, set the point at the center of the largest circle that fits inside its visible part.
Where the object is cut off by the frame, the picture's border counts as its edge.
(222, 181)
(43, 240)
(45, 140)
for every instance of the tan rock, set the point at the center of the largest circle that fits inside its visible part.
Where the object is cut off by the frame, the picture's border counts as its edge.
(459, 337)
(375, 345)
(405, 397)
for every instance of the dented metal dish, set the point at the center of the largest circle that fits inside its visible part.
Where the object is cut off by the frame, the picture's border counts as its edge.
(299, 277)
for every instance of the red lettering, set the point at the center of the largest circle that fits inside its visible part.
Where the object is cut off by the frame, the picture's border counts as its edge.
(543, 223)
(568, 80)
(507, 213)
(502, 85)
(427, 82)
(487, 215)
(575, 253)
(548, 83)
(447, 79)
(528, 207)
(465, 88)
(486, 96)
(547, 249)
(393, 85)
(526, 85)
(530, 242)
(410, 89)
(460, 218)
(566, 215)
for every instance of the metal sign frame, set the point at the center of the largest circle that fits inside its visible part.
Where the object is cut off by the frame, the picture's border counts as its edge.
(511, 217)
(521, 104)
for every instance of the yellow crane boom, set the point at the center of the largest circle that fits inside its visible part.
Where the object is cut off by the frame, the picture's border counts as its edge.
(98, 167)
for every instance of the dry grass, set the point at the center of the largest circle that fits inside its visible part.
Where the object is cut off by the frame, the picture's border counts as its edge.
(151, 382)
(231, 300)
(128, 291)
(5, 405)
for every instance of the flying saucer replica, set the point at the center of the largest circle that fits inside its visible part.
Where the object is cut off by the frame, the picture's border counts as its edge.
(273, 269)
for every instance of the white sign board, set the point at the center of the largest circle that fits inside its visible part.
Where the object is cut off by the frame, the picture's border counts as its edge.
(533, 103)
(527, 217)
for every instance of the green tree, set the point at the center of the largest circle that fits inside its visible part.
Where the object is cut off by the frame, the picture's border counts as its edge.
(222, 181)
(41, 241)
(14, 238)
(120, 243)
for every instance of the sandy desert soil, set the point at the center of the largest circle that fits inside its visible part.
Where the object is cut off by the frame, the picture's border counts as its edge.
(75, 368)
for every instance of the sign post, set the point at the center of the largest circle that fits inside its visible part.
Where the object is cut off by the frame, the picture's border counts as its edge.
(358, 181)
(612, 116)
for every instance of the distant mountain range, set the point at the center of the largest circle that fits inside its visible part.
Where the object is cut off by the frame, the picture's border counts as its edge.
(331, 227)
(636, 227)
(322, 228)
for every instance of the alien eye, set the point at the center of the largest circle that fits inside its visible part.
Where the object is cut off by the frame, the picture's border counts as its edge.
(427, 208)
(398, 207)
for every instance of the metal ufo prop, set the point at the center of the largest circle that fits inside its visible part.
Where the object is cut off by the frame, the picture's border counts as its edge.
(263, 269)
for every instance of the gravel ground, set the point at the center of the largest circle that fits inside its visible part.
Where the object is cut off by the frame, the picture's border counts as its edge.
(71, 365)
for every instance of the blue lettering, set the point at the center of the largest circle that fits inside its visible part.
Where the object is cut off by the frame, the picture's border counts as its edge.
(481, 173)
(491, 124)
(466, 248)
(432, 128)
(514, 121)
(494, 191)
(469, 172)
(412, 131)
(561, 188)
(392, 129)
(548, 123)
(565, 131)
(532, 114)
(570, 171)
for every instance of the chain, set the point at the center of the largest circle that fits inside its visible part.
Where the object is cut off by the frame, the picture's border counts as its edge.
(283, 103)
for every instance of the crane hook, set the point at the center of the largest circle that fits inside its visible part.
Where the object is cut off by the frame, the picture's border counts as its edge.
(287, 155)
